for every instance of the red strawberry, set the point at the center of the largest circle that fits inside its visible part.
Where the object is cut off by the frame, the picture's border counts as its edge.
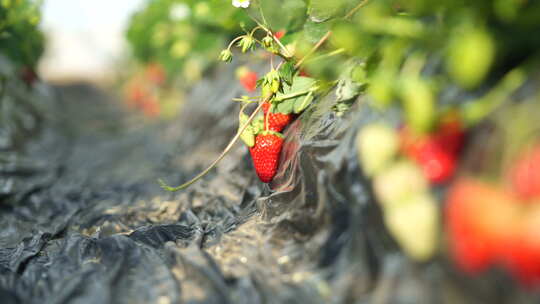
(436, 153)
(525, 174)
(438, 165)
(265, 154)
(481, 222)
(247, 78)
(276, 121)
(450, 134)
(522, 257)
(279, 34)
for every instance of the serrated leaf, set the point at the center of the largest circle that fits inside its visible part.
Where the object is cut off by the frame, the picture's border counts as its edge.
(302, 102)
(300, 85)
(286, 72)
(286, 107)
(347, 89)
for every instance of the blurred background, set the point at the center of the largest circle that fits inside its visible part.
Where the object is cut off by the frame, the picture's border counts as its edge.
(84, 39)
(409, 172)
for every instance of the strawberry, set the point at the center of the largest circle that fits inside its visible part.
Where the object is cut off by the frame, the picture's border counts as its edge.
(522, 257)
(436, 153)
(525, 174)
(150, 106)
(450, 134)
(276, 121)
(481, 221)
(377, 145)
(265, 154)
(279, 34)
(155, 74)
(438, 165)
(248, 78)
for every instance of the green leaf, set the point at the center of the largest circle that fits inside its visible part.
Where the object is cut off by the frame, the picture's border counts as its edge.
(286, 72)
(286, 107)
(303, 102)
(322, 10)
(347, 89)
(313, 31)
(283, 14)
(297, 11)
(300, 85)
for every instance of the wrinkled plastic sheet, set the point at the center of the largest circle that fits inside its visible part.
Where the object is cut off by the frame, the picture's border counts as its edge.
(93, 226)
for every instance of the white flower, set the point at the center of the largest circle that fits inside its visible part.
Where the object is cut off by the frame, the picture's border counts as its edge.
(241, 3)
(179, 12)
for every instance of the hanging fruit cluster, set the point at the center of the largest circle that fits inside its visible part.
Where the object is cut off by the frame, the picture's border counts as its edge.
(493, 215)
(403, 164)
(142, 91)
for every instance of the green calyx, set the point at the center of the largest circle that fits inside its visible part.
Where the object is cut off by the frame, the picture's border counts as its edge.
(226, 55)
(249, 133)
(246, 43)
(268, 132)
(271, 83)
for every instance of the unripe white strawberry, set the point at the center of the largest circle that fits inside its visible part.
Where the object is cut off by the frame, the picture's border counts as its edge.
(377, 144)
(415, 224)
(398, 183)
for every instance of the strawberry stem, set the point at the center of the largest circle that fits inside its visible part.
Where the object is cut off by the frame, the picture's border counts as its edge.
(249, 100)
(266, 117)
(315, 47)
(329, 54)
(327, 35)
(233, 41)
(285, 51)
(215, 162)
(353, 11)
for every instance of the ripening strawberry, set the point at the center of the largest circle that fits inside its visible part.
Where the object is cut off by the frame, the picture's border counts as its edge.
(150, 106)
(265, 154)
(481, 222)
(248, 78)
(276, 121)
(524, 175)
(155, 74)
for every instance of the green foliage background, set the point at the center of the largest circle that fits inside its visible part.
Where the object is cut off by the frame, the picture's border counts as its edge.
(185, 36)
(20, 38)
(400, 52)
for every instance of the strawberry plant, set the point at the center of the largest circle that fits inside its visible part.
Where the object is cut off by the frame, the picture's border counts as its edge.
(441, 67)
(21, 40)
